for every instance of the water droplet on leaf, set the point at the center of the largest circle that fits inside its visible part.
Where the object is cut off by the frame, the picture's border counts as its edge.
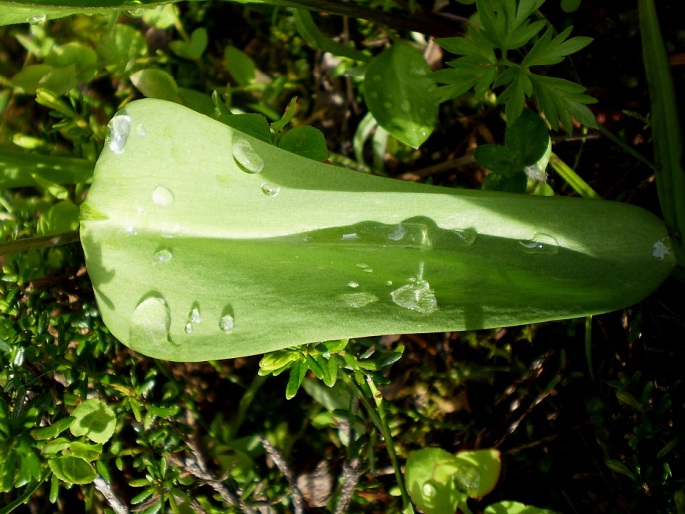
(140, 130)
(469, 477)
(226, 322)
(162, 196)
(429, 490)
(37, 19)
(150, 322)
(540, 243)
(466, 236)
(358, 300)
(365, 267)
(246, 156)
(270, 190)
(160, 256)
(417, 295)
(118, 129)
(353, 284)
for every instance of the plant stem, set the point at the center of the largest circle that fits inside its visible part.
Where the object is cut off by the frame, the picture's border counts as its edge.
(572, 178)
(38, 243)
(389, 444)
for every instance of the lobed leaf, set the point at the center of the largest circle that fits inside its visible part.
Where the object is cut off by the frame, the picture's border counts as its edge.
(204, 243)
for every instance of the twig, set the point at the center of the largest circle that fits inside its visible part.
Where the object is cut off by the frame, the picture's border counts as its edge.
(350, 473)
(197, 467)
(279, 460)
(106, 490)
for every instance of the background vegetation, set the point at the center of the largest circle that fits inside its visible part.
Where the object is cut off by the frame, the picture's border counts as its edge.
(587, 414)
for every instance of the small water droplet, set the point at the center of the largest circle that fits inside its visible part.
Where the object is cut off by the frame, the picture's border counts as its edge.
(466, 236)
(352, 236)
(140, 130)
(194, 318)
(405, 106)
(388, 283)
(118, 129)
(37, 19)
(161, 256)
(246, 156)
(270, 190)
(162, 196)
(365, 267)
(358, 300)
(429, 490)
(150, 322)
(540, 243)
(227, 322)
(660, 250)
(189, 328)
(398, 233)
(353, 284)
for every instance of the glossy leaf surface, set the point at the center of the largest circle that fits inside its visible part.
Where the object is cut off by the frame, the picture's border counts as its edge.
(204, 243)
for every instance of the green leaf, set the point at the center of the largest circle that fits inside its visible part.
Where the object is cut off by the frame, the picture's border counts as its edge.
(478, 471)
(305, 141)
(72, 470)
(156, 83)
(561, 100)
(466, 73)
(61, 217)
(53, 430)
(178, 215)
(94, 419)
(194, 48)
(288, 114)
(429, 481)
(397, 91)
(252, 124)
(528, 136)
(297, 373)
(547, 51)
(509, 507)
(120, 48)
(240, 65)
(514, 96)
(85, 451)
(506, 22)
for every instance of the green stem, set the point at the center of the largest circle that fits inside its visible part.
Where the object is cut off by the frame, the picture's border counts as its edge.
(38, 243)
(572, 178)
(389, 444)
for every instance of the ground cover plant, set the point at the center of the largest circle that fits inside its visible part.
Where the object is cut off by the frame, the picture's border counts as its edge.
(577, 415)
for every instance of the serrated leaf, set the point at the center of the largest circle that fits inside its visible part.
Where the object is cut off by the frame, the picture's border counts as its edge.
(467, 73)
(519, 88)
(506, 24)
(397, 92)
(474, 44)
(547, 51)
(561, 100)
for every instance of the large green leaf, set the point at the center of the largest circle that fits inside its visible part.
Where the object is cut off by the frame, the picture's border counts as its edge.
(204, 243)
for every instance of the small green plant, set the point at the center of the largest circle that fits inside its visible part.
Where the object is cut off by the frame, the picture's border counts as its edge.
(504, 27)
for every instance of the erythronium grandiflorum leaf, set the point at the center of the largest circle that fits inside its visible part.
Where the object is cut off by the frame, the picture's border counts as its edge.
(204, 243)
(37, 11)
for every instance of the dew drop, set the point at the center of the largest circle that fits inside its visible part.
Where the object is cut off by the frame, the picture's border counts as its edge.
(398, 233)
(227, 322)
(150, 322)
(118, 129)
(540, 243)
(466, 236)
(140, 130)
(37, 19)
(365, 267)
(246, 156)
(388, 283)
(270, 190)
(352, 236)
(417, 295)
(358, 300)
(194, 317)
(161, 256)
(353, 284)
(189, 328)
(162, 196)
(429, 490)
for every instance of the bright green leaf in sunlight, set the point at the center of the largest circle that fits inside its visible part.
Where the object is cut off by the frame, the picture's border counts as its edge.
(509, 507)
(305, 141)
(205, 243)
(192, 49)
(94, 419)
(72, 470)
(429, 481)
(154, 83)
(397, 91)
(240, 65)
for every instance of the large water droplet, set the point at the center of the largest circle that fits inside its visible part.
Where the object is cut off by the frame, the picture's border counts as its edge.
(161, 256)
(270, 190)
(162, 196)
(227, 322)
(358, 300)
(150, 322)
(118, 129)
(417, 295)
(37, 19)
(540, 243)
(398, 233)
(466, 236)
(246, 156)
